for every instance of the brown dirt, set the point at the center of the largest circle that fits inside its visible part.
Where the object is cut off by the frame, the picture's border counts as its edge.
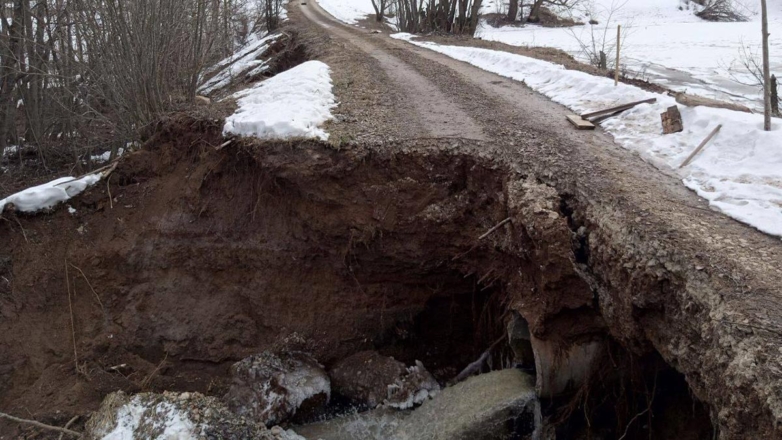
(210, 256)
(207, 257)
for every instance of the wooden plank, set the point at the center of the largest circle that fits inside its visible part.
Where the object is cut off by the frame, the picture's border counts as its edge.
(618, 108)
(602, 118)
(700, 147)
(580, 123)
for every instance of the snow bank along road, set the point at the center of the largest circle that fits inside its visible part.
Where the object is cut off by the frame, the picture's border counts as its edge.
(624, 194)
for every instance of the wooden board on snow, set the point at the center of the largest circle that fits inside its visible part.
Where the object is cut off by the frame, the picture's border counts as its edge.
(580, 123)
(618, 109)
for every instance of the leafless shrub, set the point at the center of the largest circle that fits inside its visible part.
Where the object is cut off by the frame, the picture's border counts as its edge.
(79, 75)
(380, 7)
(747, 69)
(599, 43)
(536, 7)
(720, 10)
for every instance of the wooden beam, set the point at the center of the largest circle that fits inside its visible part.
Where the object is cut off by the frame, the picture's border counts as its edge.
(580, 123)
(619, 108)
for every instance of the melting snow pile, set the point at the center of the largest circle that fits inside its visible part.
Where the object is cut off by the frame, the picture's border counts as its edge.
(244, 64)
(169, 416)
(163, 417)
(49, 194)
(739, 173)
(289, 105)
(7, 151)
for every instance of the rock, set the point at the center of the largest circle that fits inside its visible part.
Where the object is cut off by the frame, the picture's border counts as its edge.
(497, 405)
(364, 377)
(202, 100)
(414, 388)
(186, 416)
(271, 389)
(672, 120)
(369, 379)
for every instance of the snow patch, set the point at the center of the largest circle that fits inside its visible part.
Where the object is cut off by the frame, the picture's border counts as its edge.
(7, 151)
(104, 157)
(739, 173)
(244, 63)
(50, 194)
(291, 104)
(170, 422)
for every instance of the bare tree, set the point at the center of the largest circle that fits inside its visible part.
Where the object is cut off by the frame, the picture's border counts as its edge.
(599, 42)
(453, 16)
(719, 10)
(380, 9)
(513, 10)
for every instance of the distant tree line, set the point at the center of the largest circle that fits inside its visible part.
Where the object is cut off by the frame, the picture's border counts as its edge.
(414, 16)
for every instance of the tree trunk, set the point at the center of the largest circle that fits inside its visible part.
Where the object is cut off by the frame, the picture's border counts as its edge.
(513, 10)
(534, 11)
(766, 70)
(774, 97)
(379, 9)
(10, 74)
(476, 9)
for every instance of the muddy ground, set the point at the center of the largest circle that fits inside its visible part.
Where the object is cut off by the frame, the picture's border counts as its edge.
(193, 257)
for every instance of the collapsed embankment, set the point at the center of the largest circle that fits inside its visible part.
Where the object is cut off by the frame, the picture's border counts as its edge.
(192, 258)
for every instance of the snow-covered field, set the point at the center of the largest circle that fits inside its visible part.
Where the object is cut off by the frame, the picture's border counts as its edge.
(291, 104)
(352, 11)
(664, 43)
(348, 11)
(739, 173)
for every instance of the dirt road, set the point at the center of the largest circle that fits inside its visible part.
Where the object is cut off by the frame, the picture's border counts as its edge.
(733, 278)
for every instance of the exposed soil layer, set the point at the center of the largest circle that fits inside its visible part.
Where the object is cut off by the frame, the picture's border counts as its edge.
(666, 272)
(204, 257)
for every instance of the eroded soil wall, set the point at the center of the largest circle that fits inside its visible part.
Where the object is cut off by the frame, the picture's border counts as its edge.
(201, 257)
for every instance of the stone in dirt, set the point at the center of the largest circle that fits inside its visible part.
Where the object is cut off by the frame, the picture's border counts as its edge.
(272, 388)
(497, 405)
(369, 379)
(182, 416)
